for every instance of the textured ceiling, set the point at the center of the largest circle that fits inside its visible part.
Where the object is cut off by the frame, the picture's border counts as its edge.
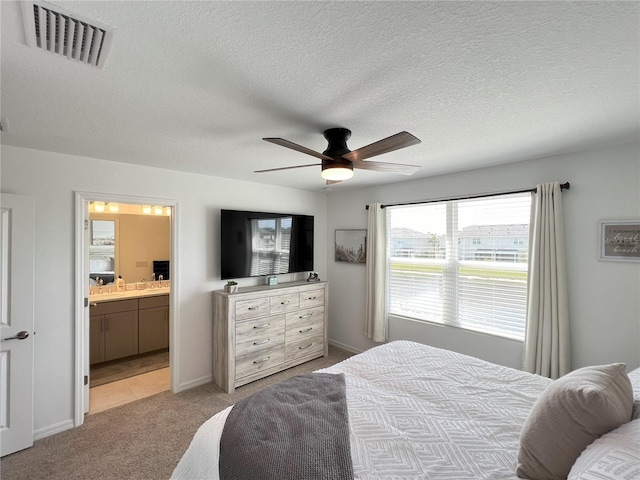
(194, 86)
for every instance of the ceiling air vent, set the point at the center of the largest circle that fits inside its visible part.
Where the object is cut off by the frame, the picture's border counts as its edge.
(55, 30)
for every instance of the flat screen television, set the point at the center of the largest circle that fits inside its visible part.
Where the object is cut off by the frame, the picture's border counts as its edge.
(255, 244)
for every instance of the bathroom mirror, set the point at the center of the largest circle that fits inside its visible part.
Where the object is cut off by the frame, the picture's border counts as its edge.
(128, 244)
(102, 251)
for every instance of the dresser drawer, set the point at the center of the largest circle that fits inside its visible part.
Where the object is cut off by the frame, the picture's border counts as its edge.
(255, 308)
(257, 334)
(312, 298)
(307, 346)
(262, 359)
(285, 303)
(305, 323)
(248, 348)
(305, 331)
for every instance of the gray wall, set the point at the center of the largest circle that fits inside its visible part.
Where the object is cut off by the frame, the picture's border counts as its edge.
(604, 297)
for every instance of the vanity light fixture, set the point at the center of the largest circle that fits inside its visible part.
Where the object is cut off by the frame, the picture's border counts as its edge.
(146, 209)
(157, 210)
(98, 206)
(113, 207)
(167, 211)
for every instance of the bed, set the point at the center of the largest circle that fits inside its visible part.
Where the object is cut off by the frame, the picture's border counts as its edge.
(416, 411)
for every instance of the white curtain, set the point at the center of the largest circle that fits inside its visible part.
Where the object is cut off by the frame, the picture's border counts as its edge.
(376, 295)
(547, 345)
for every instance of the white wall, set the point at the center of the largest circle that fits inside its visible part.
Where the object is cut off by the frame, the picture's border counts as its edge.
(53, 178)
(604, 296)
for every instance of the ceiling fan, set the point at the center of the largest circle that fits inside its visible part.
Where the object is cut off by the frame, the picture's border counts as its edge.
(338, 161)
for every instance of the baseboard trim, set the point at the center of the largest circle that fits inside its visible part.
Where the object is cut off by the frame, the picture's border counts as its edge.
(52, 429)
(194, 383)
(344, 346)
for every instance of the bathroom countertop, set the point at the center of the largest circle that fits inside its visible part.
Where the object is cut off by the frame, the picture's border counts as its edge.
(148, 292)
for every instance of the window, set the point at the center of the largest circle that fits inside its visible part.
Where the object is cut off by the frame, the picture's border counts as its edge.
(462, 263)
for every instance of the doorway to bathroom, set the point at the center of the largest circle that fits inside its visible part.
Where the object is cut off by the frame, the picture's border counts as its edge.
(126, 317)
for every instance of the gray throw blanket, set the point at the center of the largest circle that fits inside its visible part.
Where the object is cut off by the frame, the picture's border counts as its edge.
(295, 430)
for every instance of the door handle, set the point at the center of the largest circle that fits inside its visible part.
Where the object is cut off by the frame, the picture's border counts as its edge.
(20, 336)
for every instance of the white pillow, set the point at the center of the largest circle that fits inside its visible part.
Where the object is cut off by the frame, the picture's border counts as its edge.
(634, 377)
(614, 456)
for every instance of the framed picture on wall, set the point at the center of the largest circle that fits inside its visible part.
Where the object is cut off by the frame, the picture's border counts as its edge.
(351, 246)
(620, 240)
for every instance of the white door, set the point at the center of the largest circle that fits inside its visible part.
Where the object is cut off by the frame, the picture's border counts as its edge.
(17, 248)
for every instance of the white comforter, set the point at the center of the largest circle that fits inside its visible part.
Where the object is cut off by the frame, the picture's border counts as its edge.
(415, 412)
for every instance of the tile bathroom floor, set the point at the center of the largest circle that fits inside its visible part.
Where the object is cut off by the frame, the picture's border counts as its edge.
(130, 389)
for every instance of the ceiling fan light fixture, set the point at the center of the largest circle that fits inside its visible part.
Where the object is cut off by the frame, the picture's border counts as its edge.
(337, 172)
(338, 161)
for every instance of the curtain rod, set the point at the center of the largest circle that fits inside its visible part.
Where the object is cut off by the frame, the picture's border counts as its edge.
(563, 186)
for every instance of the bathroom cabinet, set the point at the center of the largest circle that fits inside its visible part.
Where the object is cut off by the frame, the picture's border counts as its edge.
(153, 323)
(122, 328)
(113, 330)
(261, 330)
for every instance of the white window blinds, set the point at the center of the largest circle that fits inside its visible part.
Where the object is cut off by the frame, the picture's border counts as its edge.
(462, 262)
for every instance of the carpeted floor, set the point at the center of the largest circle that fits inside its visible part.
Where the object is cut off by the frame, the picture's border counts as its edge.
(128, 368)
(141, 440)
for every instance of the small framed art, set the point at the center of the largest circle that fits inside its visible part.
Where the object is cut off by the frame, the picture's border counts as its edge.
(620, 240)
(351, 246)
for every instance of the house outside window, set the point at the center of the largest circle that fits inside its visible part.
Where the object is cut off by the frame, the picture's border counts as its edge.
(461, 263)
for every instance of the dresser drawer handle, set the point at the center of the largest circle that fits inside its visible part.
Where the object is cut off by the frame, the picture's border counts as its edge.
(305, 347)
(306, 316)
(311, 298)
(286, 302)
(262, 341)
(306, 330)
(253, 308)
(255, 362)
(264, 325)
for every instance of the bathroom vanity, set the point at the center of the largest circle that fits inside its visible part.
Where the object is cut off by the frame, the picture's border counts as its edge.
(128, 323)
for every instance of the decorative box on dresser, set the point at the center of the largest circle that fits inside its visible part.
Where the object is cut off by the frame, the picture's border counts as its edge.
(261, 330)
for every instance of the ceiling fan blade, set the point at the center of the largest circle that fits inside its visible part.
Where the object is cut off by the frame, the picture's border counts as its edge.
(389, 144)
(298, 148)
(287, 168)
(399, 168)
(331, 182)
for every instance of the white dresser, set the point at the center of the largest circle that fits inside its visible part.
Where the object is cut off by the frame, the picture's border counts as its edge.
(261, 330)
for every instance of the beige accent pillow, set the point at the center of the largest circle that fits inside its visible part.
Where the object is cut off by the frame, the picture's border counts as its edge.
(569, 415)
